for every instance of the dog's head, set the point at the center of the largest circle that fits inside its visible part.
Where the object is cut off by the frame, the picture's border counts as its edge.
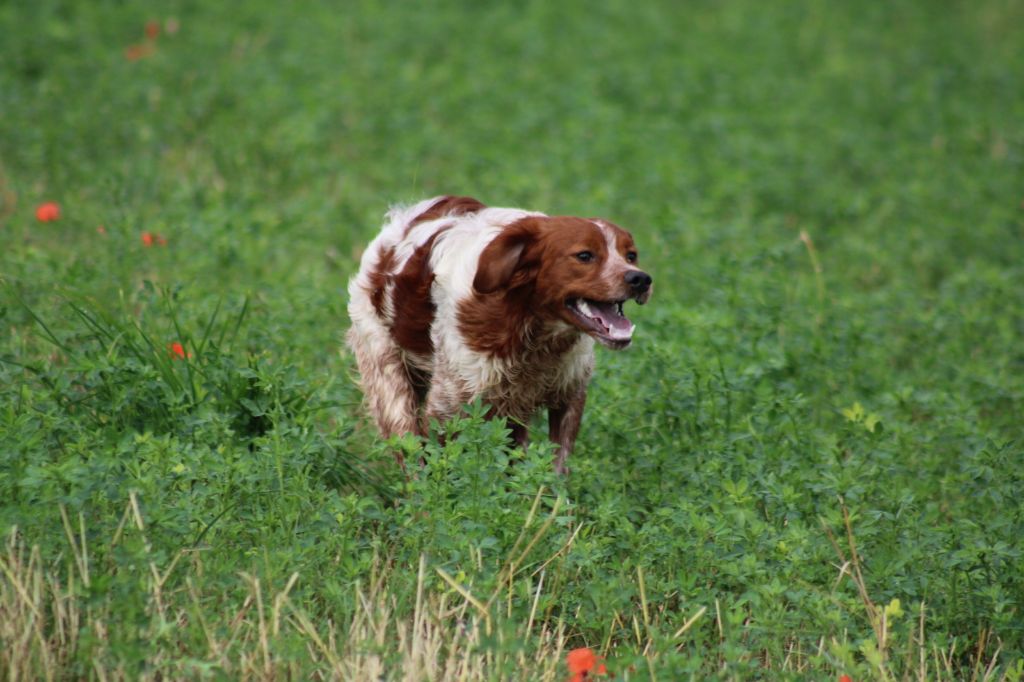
(571, 269)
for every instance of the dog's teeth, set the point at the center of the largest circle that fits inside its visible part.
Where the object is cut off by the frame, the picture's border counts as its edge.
(584, 308)
(619, 306)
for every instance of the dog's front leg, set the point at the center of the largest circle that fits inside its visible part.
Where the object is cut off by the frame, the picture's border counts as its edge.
(563, 425)
(520, 433)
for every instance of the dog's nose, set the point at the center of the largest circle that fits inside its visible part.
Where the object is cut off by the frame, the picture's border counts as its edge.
(638, 280)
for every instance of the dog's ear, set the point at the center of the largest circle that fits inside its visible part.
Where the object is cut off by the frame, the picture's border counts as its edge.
(505, 262)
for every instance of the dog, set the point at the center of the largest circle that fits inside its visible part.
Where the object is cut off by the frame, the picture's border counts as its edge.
(456, 301)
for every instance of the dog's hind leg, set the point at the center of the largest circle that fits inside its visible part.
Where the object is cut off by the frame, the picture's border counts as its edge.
(384, 377)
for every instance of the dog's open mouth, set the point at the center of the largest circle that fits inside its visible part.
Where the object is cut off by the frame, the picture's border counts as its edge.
(603, 320)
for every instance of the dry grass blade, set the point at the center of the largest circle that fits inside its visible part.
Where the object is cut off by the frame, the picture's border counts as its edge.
(689, 623)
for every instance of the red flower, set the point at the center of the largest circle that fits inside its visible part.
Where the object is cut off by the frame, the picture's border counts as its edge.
(582, 662)
(177, 351)
(47, 212)
(845, 678)
(152, 29)
(151, 238)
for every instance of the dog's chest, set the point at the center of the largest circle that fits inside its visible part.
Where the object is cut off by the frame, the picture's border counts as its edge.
(539, 378)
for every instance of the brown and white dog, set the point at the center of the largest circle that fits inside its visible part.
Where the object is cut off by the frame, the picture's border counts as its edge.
(456, 301)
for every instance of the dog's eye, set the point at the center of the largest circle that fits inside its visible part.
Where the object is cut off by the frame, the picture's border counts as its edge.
(631, 256)
(584, 256)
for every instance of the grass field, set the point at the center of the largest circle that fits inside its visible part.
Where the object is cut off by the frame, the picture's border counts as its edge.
(810, 464)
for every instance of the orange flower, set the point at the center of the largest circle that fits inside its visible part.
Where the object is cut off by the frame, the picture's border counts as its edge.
(845, 678)
(177, 351)
(47, 212)
(152, 238)
(582, 662)
(101, 229)
(152, 29)
(134, 53)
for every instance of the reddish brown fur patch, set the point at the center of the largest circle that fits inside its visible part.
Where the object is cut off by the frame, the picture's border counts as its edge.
(497, 324)
(414, 309)
(505, 262)
(448, 206)
(379, 278)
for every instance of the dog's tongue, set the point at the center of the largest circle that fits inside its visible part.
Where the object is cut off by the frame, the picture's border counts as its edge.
(619, 326)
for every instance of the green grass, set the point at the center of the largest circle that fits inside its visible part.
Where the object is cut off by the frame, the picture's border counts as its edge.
(809, 464)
